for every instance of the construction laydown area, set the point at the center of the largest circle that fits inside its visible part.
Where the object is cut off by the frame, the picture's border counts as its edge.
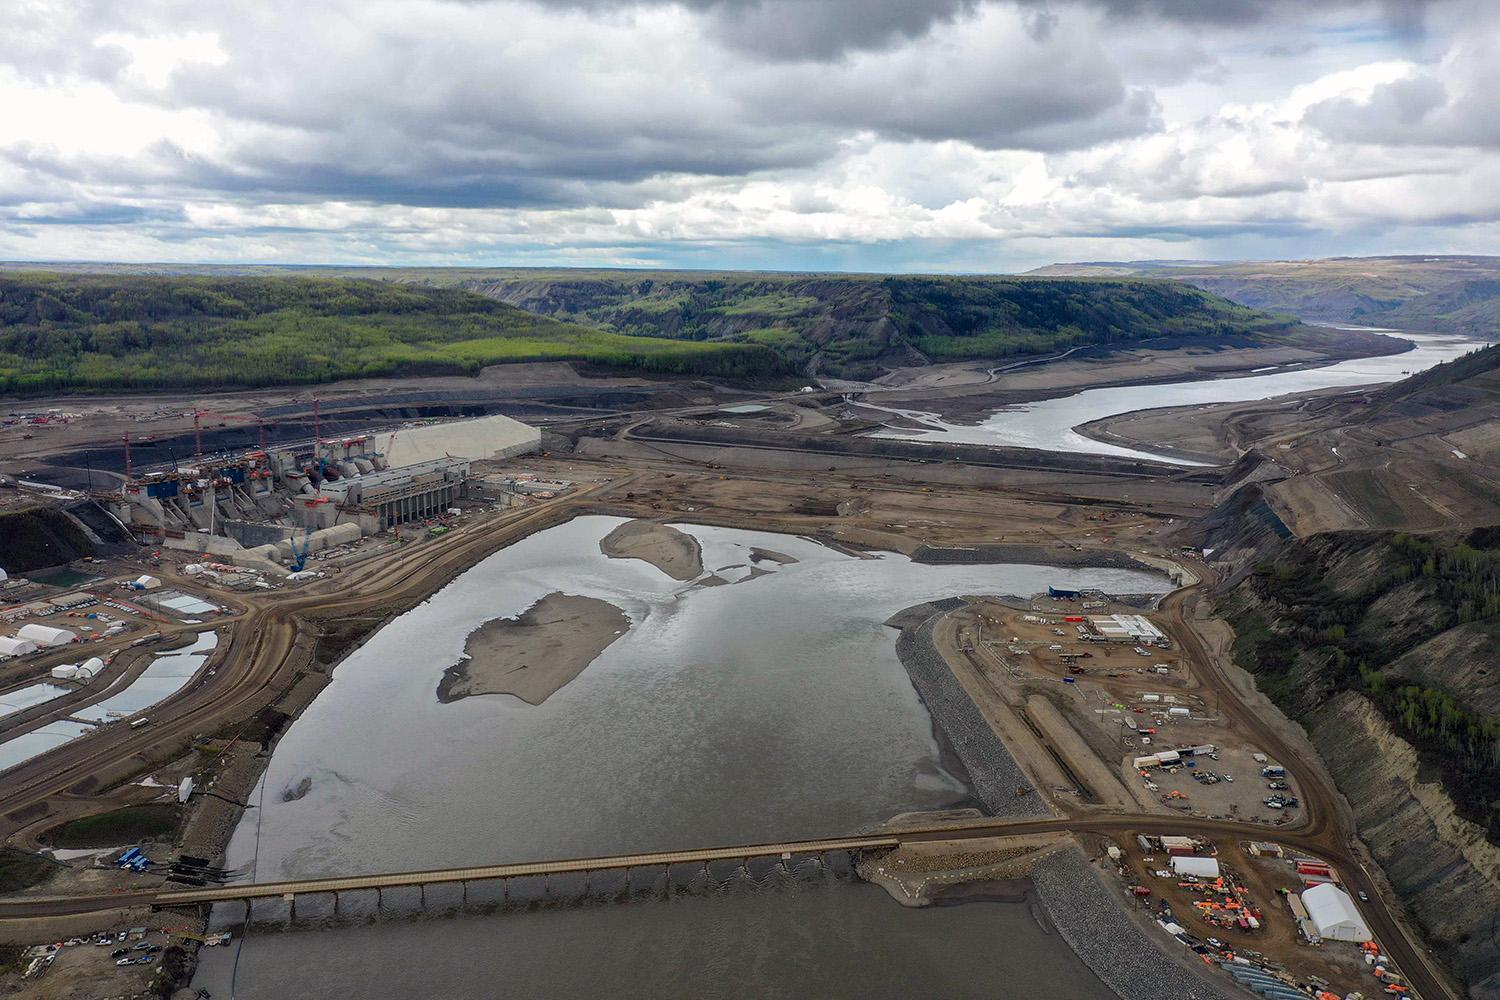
(142, 687)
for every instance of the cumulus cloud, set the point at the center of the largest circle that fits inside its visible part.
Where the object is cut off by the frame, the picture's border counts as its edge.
(1450, 104)
(866, 133)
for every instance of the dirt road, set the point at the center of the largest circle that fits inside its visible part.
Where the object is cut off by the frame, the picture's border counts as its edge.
(258, 663)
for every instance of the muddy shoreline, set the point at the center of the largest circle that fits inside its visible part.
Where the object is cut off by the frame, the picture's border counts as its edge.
(1037, 555)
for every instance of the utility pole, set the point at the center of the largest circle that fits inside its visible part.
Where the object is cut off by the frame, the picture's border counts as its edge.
(317, 428)
(126, 439)
(198, 435)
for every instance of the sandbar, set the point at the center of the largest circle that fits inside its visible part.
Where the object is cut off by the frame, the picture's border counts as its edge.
(536, 653)
(674, 552)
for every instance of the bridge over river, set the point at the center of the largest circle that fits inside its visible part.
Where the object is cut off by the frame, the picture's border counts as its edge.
(1315, 838)
(174, 896)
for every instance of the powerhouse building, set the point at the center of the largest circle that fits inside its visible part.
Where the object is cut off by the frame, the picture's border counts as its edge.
(380, 500)
(263, 508)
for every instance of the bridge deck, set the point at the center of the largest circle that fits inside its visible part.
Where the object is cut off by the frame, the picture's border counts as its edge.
(265, 890)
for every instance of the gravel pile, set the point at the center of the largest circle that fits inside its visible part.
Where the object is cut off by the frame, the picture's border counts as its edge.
(1096, 926)
(992, 771)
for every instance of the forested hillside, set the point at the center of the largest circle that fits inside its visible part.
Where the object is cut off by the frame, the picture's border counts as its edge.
(1408, 622)
(1470, 308)
(857, 326)
(103, 331)
(1437, 294)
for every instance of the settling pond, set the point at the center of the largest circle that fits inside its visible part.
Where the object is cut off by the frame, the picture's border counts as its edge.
(773, 707)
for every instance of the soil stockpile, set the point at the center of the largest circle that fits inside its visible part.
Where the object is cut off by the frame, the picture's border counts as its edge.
(535, 654)
(675, 553)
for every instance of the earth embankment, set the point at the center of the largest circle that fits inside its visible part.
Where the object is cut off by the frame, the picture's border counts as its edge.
(997, 780)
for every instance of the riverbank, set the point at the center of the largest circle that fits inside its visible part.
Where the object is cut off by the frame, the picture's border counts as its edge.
(536, 653)
(1204, 428)
(1196, 433)
(1017, 552)
(970, 401)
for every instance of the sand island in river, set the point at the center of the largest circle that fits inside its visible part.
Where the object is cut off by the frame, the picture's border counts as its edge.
(536, 653)
(674, 552)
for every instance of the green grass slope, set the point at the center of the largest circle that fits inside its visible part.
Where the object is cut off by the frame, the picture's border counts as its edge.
(856, 325)
(112, 331)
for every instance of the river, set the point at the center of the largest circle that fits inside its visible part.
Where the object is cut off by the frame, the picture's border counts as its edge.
(769, 708)
(1049, 424)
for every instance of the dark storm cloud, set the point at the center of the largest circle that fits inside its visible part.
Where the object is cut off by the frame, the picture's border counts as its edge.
(710, 124)
(572, 110)
(96, 214)
(826, 29)
(1403, 16)
(805, 29)
(784, 29)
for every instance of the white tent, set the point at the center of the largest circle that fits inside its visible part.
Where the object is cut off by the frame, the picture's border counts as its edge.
(1201, 867)
(10, 646)
(1333, 914)
(46, 635)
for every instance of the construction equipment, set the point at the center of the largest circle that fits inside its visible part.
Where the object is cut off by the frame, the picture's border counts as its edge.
(299, 558)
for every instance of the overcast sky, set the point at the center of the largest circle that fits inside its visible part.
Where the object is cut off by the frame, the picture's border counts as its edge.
(884, 135)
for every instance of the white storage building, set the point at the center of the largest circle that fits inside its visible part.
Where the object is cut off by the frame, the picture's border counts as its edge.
(12, 646)
(146, 582)
(46, 635)
(493, 437)
(1125, 628)
(1201, 867)
(1334, 915)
